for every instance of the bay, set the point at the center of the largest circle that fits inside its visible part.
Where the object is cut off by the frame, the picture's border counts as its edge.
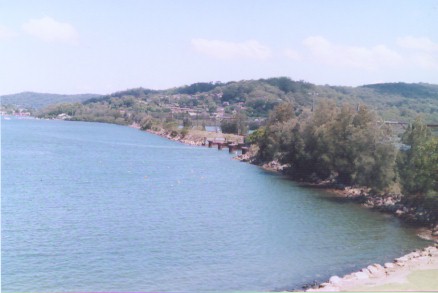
(99, 207)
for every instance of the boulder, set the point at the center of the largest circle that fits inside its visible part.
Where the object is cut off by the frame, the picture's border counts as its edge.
(433, 251)
(389, 201)
(389, 265)
(378, 266)
(399, 212)
(366, 271)
(373, 269)
(335, 280)
(349, 277)
(402, 259)
(330, 288)
(425, 253)
(361, 275)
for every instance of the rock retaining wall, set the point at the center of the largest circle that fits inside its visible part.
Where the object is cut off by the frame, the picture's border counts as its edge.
(427, 257)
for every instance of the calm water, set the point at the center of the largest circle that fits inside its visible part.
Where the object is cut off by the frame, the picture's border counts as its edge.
(97, 207)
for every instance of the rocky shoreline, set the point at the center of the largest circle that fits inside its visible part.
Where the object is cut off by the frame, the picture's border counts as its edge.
(187, 139)
(394, 272)
(394, 204)
(377, 275)
(388, 203)
(193, 138)
(391, 203)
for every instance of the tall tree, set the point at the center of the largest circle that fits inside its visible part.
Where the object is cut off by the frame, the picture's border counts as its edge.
(270, 143)
(416, 160)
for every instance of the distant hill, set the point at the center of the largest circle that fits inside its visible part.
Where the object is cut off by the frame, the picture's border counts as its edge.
(402, 101)
(393, 101)
(41, 100)
(408, 90)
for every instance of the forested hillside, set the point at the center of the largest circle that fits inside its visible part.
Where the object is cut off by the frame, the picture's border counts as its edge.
(254, 98)
(31, 100)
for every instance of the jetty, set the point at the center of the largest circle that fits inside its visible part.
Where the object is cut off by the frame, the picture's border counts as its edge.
(232, 146)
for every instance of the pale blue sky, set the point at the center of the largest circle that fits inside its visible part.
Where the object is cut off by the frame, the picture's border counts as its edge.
(87, 46)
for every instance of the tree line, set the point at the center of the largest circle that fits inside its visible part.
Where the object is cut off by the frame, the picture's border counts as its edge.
(350, 146)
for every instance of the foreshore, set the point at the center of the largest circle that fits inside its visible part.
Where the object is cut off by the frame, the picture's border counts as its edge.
(189, 140)
(193, 137)
(415, 271)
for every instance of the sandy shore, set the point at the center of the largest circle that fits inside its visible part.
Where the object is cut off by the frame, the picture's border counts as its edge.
(416, 271)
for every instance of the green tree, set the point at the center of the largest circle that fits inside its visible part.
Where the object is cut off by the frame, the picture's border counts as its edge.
(187, 123)
(316, 160)
(428, 152)
(236, 125)
(241, 122)
(331, 142)
(229, 126)
(417, 160)
(282, 113)
(362, 151)
(146, 123)
(269, 144)
(256, 136)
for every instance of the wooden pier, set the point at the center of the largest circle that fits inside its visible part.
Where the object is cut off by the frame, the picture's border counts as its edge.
(223, 143)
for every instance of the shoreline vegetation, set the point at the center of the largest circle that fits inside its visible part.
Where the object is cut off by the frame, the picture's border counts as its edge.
(390, 276)
(341, 139)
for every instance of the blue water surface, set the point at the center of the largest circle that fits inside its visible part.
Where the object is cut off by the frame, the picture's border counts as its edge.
(99, 207)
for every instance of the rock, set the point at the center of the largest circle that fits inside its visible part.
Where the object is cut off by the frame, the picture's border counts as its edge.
(326, 287)
(435, 231)
(430, 250)
(348, 277)
(361, 275)
(378, 266)
(389, 265)
(373, 270)
(389, 202)
(330, 288)
(425, 253)
(399, 212)
(335, 280)
(402, 259)
(433, 251)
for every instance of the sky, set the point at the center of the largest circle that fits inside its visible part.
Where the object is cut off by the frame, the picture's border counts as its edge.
(98, 46)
